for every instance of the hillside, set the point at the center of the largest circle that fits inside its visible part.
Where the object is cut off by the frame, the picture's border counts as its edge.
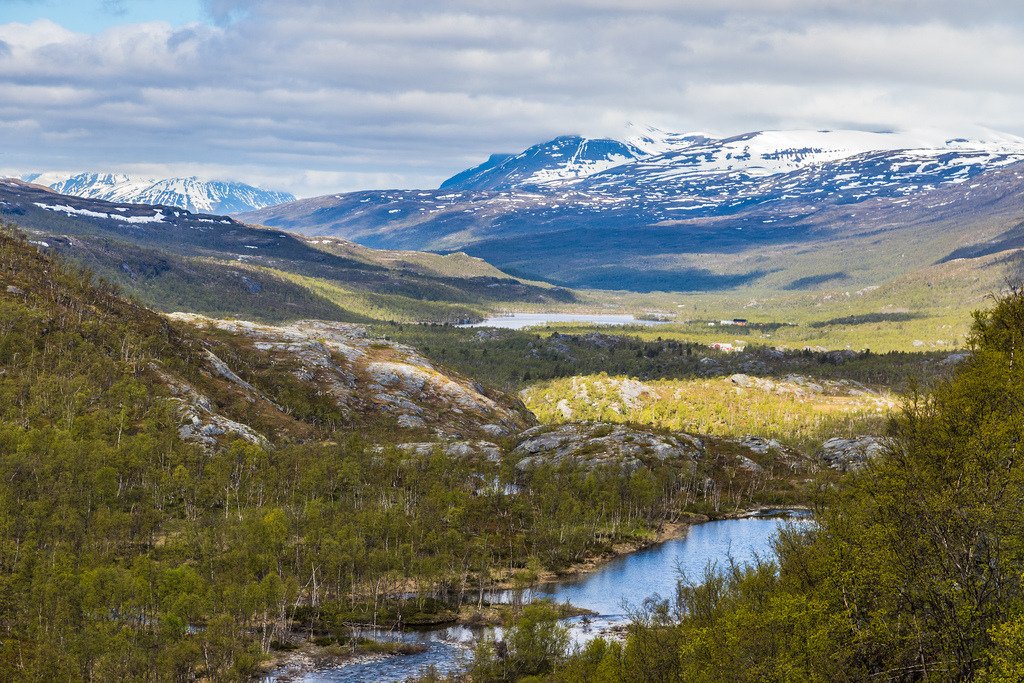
(911, 571)
(170, 257)
(768, 210)
(186, 497)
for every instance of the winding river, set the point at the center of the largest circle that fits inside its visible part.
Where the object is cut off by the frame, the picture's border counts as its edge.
(610, 591)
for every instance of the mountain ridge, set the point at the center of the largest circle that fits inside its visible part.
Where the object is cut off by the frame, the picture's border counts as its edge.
(691, 212)
(174, 259)
(190, 193)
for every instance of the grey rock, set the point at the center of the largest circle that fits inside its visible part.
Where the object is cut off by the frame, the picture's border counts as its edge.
(367, 375)
(494, 430)
(747, 464)
(222, 369)
(761, 445)
(454, 449)
(848, 455)
(598, 444)
(411, 422)
(748, 382)
(602, 341)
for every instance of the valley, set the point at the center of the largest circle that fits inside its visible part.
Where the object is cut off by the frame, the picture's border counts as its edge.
(529, 342)
(394, 465)
(334, 443)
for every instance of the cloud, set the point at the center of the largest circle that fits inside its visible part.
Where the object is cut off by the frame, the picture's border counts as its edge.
(116, 7)
(306, 94)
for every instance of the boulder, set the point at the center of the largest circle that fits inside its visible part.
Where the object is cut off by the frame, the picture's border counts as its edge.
(762, 445)
(846, 455)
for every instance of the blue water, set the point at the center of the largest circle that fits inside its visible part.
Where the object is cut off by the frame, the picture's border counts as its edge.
(448, 651)
(518, 321)
(611, 592)
(626, 581)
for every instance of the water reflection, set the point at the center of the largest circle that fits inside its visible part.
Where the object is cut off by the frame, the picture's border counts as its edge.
(610, 591)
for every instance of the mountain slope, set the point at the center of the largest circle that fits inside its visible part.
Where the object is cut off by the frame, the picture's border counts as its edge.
(170, 258)
(192, 194)
(183, 498)
(686, 212)
(141, 472)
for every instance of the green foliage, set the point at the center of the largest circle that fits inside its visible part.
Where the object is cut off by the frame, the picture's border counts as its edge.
(128, 554)
(913, 569)
(532, 646)
(514, 359)
(709, 406)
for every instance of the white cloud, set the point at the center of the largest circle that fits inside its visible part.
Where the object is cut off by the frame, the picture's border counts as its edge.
(315, 96)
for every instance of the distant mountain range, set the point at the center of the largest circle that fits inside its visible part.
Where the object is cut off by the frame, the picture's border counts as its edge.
(693, 211)
(191, 194)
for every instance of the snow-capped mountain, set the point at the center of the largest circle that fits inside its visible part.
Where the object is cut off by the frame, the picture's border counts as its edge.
(687, 169)
(649, 210)
(565, 158)
(704, 175)
(191, 194)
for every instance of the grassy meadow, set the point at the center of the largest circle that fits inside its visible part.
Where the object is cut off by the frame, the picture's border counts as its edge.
(784, 410)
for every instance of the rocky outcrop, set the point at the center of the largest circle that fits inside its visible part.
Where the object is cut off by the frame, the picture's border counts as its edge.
(762, 445)
(597, 444)
(847, 455)
(200, 423)
(455, 449)
(367, 376)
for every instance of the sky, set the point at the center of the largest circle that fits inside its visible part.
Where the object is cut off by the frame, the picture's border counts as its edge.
(321, 96)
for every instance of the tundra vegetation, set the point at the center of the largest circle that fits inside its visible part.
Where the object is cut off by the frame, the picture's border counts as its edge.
(128, 552)
(912, 571)
(796, 410)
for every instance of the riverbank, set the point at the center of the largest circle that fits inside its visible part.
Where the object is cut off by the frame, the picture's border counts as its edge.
(667, 531)
(563, 588)
(309, 656)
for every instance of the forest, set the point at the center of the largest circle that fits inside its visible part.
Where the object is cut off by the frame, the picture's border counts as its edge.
(912, 571)
(129, 553)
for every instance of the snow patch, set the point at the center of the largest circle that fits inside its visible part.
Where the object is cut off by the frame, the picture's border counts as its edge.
(72, 211)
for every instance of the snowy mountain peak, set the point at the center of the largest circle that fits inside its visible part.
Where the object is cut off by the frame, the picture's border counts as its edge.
(651, 141)
(650, 153)
(190, 193)
(568, 157)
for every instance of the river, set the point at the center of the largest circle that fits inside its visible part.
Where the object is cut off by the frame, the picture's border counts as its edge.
(609, 591)
(518, 321)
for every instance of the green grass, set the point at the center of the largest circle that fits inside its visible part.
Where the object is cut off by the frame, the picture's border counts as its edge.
(928, 309)
(386, 307)
(714, 406)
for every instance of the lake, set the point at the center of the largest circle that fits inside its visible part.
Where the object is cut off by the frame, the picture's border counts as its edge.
(518, 321)
(610, 591)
